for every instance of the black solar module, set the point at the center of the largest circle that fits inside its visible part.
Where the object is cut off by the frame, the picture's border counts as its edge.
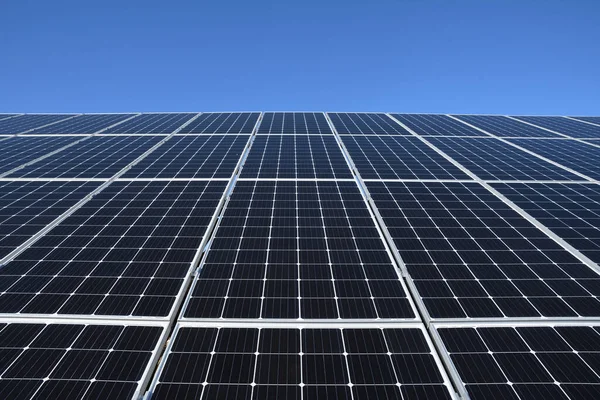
(398, 157)
(96, 157)
(152, 123)
(16, 151)
(27, 122)
(492, 159)
(295, 156)
(581, 157)
(249, 363)
(205, 156)
(83, 124)
(566, 126)
(436, 125)
(299, 255)
(74, 361)
(223, 123)
(294, 123)
(502, 126)
(297, 250)
(526, 362)
(366, 123)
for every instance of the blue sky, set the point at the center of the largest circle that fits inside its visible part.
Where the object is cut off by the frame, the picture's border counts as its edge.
(516, 57)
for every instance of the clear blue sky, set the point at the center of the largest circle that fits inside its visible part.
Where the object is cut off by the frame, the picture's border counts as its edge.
(484, 56)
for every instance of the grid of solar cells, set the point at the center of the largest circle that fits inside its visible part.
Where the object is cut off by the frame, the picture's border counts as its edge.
(152, 123)
(593, 120)
(209, 156)
(570, 211)
(68, 362)
(573, 154)
(223, 123)
(502, 126)
(295, 156)
(297, 250)
(124, 252)
(438, 125)
(96, 157)
(6, 116)
(565, 126)
(296, 123)
(247, 363)
(366, 123)
(490, 158)
(471, 255)
(83, 124)
(16, 151)
(29, 121)
(529, 362)
(398, 157)
(26, 207)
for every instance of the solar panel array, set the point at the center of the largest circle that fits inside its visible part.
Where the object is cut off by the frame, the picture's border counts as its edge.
(299, 255)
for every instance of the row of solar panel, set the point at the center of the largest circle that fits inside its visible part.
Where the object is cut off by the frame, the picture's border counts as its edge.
(376, 157)
(301, 123)
(75, 361)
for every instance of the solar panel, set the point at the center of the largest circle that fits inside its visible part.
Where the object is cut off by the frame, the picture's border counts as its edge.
(437, 125)
(572, 211)
(16, 151)
(223, 123)
(490, 158)
(505, 127)
(244, 363)
(83, 124)
(526, 362)
(155, 123)
(124, 252)
(398, 157)
(470, 255)
(594, 120)
(7, 116)
(366, 123)
(75, 361)
(297, 250)
(573, 154)
(294, 123)
(26, 122)
(565, 126)
(207, 156)
(96, 157)
(26, 207)
(280, 156)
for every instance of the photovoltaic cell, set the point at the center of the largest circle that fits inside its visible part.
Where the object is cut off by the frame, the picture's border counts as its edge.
(206, 156)
(570, 211)
(490, 158)
(593, 120)
(438, 125)
(156, 123)
(295, 156)
(83, 124)
(24, 123)
(297, 250)
(470, 255)
(398, 157)
(248, 363)
(294, 123)
(16, 151)
(125, 252)
(565, 126)
(578, 156)
(223, 123)
(502, 126)
(526, 362)
(74, 361)
(96, 157)
(26, 207)
(366, 123)
(6, 116)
